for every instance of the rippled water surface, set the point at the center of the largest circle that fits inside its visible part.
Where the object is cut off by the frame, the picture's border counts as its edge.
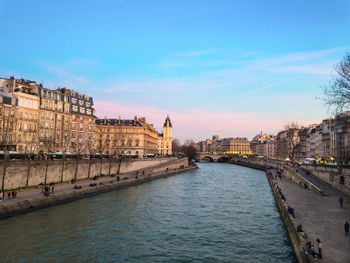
(218, 213)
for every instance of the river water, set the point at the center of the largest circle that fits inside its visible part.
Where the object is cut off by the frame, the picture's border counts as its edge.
(218, 213)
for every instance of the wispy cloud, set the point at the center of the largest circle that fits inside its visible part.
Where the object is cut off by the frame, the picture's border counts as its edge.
(197, 53)
(250, 54)
(259, 89)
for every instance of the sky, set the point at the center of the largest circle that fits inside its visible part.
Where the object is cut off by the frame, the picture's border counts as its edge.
(232, 68)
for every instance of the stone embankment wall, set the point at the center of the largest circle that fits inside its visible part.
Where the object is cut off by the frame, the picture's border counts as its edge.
(27, 174)
(23, 206)
(338, 178)
(297, 178)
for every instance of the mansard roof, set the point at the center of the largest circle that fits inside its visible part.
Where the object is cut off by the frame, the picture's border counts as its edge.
(118, 122)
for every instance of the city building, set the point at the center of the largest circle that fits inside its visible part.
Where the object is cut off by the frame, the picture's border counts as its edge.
(54, 119)
(82, 116)
(8, 120)
(328, 139)
(203, 146)
(165, 138)
(26, 93)
(342, 137)
(287, 144)
(314, 142)
(260, 147)
(267, 148)
(231, 146)
(126, 137)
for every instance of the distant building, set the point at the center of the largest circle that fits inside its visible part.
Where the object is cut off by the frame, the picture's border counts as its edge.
(203, 146)
(231, 146)
(165, 138)
(126, 137)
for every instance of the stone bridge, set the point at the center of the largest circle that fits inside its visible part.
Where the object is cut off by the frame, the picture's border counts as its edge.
(220, 158)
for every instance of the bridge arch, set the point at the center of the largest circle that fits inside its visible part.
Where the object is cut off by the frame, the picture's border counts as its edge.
(207, 158)
(223, 159)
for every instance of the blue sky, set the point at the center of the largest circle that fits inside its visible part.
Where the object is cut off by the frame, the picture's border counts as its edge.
(231, 68)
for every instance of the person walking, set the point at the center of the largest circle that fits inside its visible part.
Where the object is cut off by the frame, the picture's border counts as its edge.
(341, 202)
(52, 189)
(319, 246)
(346, 228)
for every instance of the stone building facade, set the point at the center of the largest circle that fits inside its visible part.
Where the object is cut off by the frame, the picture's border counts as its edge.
(236, 145)
(54, 121)
(126, 137)
(82, 113)
(165, 138)
(8, 120)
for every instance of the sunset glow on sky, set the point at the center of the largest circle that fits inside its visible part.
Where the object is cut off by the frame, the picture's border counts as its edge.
(232, 68)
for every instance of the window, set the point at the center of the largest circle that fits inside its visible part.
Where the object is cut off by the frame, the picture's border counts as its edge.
(73, 117)
(58, 117)
(25, 116)
(45, 104)
(21, 115)
(50, 105)
(52, 117)
(47, 115)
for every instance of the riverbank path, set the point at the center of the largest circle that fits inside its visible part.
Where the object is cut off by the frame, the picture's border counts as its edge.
(320, 216)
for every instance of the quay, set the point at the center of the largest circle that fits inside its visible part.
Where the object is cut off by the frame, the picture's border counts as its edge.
(32, 199)
(316, 208)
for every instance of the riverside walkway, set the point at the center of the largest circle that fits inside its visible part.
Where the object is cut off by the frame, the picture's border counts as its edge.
(320, 216)
(66, 191)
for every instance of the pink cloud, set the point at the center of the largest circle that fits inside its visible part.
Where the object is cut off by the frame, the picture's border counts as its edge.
(198, 125)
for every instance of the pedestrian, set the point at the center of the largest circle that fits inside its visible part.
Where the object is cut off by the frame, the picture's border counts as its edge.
(346, 227)
(319, 246)
(291, 211)
(341, 202)
(52, 189)
(13, 194)
(8, 195)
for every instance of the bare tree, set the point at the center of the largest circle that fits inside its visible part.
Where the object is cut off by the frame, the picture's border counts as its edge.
(189, 149)
(79, 145)
(292, 138)
(49, 144)
(92, 150)
(8, 122)
(338, 91)
(176, 146)
(31, 142)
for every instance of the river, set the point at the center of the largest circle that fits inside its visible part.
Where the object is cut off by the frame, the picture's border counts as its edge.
(218, 213)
